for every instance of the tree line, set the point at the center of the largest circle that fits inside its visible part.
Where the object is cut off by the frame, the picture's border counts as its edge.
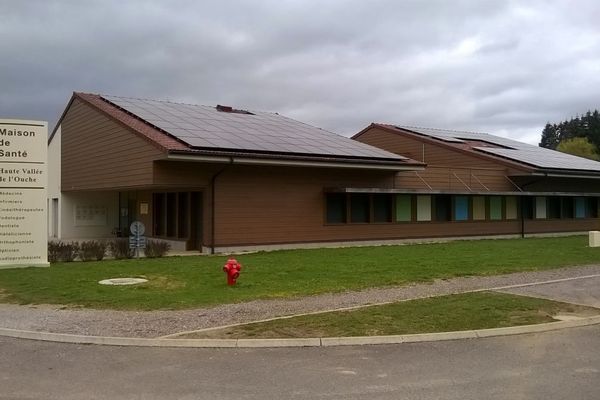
(579, 136)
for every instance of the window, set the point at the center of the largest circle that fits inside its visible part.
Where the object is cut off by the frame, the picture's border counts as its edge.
(527, 207)
(461, 208)
(580, 207)
(175, 214)
(359, 208)
(495, 208)
(336, 208)
(540, 207)
(511, 207)
(54, 225)
(183, 214)
(592, 207)
(159, 214)
(478, 208)
(403, 208)
(171, 214)
(443, 207)
(382, 208)
(423, 208)
(567, 207)
(554, 207)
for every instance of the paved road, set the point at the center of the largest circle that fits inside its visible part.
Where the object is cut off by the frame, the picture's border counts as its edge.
(580, 291)
(555, 365)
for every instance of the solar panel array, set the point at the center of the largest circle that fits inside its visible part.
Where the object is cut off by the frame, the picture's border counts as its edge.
(512, 149)
(205, 127)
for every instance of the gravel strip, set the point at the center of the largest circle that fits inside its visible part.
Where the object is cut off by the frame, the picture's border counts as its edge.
(52, 318)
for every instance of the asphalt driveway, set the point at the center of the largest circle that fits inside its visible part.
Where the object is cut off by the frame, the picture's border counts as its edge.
(548, 366)
(583, 291)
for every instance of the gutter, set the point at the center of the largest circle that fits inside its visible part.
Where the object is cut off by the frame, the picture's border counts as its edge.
(566, 175)
(240, 160)
(455, 192)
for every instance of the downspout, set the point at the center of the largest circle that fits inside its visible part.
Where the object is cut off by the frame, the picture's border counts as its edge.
(213, 181)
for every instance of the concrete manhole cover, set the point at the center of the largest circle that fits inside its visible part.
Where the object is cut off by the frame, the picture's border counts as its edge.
(122, 281)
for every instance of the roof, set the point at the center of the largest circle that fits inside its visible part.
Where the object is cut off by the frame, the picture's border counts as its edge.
(503, 148)
(195, 129)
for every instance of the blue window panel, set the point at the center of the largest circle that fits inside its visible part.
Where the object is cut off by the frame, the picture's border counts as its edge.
(461, 208)
(579, 207)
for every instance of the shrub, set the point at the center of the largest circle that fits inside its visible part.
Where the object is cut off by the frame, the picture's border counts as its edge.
(120, 248)
(92, 250)
(61, 251)
(156, 248)
(53, 251)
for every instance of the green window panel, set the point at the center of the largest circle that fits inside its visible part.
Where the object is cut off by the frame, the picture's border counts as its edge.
(478, 208)
(495, 208)
(540, 207)
(403, 208)
(511, 207)
(423, 208)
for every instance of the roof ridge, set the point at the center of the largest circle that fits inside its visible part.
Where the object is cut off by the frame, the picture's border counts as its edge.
(445, 130)
(174, 102)
(155, 100)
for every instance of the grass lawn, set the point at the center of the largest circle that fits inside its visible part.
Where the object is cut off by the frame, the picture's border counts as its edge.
(440, 314)
(185, 282)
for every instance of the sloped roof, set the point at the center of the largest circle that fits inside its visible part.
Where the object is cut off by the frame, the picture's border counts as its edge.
(495, 146)
(207, 127)
(196, 129)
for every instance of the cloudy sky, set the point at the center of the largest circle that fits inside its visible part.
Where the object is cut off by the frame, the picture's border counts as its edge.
(503, 67)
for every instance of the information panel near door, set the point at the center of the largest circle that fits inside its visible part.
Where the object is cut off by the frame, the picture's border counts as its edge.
(23, 180)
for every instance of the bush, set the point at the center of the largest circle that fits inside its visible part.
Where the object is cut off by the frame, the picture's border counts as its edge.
(120, 248)
(61, 251)
(156, 248)
(92, 250)
(69, 251)
(53, 251)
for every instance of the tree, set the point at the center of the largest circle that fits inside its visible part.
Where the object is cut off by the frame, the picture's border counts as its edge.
(550, 137)
(586, 126)
(579, 146)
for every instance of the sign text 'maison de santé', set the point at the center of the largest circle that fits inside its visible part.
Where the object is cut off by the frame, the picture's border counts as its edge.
(23, 180)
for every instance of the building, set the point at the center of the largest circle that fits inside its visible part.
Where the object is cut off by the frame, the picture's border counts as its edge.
(213, 179)
(219, 179)
(477, 184)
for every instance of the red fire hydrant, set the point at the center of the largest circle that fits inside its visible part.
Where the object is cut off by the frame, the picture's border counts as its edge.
(232, 268)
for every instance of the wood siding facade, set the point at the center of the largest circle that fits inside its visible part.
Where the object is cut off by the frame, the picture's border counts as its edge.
(262, 206)
(447, 168)
(98, 153)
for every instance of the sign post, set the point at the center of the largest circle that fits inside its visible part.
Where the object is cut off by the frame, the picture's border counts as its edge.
(23, 183)
(137, 240)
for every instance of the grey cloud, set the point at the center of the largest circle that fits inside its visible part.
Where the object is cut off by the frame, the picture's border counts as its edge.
(499, 66)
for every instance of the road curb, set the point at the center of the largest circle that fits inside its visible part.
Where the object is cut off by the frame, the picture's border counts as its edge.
(301, 342)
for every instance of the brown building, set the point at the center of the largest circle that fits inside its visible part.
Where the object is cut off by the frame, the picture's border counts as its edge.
(479, 184)
(208, 178)
(221, 179)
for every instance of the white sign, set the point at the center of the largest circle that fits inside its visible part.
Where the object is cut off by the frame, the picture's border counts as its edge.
(137, 228)
(23, 223)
